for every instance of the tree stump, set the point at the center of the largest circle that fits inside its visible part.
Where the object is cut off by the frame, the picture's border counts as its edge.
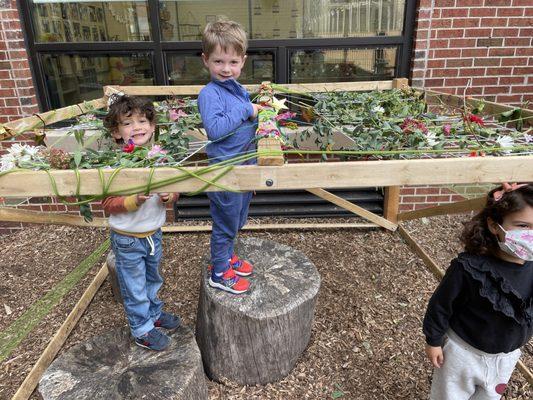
(113, 279)
(112, 366)
(257, 337)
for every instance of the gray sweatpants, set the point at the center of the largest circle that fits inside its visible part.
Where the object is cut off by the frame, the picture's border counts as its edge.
(471, 374)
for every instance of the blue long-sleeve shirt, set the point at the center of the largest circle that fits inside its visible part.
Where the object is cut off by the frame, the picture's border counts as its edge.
(225, 109)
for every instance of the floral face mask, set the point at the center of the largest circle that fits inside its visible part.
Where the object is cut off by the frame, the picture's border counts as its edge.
(518, 243)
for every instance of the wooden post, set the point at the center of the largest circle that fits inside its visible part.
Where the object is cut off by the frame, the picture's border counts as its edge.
(269, 147)
(391, 204)
(400, 83)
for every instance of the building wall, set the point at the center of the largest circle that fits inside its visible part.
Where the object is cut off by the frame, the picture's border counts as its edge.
(481, 46)
(17, 93)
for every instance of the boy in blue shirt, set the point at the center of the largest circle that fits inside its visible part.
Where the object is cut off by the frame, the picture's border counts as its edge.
(228, 117)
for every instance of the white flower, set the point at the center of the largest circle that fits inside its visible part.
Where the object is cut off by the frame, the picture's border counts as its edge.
(431, 138)
(505, 142)
(528, 138)
(378, 109)
(18, 150)
(7, 161)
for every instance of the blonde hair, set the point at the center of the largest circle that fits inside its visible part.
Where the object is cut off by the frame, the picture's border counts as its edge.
(227, 35)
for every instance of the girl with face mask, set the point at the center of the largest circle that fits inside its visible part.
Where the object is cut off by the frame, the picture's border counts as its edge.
(482, 311)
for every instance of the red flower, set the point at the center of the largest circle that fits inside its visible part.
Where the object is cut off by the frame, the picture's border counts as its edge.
(447, 129)
(473, 154)
(476, 120)
(129, 148)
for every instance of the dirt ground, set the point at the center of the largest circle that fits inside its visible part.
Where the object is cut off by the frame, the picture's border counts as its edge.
(366, 341)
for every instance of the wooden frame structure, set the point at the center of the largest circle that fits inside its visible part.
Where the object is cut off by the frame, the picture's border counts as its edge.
(270, 175)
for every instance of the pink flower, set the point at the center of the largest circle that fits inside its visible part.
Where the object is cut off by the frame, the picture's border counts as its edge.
(174, 114)
(285, 115)
(155, 151)
(447, 129)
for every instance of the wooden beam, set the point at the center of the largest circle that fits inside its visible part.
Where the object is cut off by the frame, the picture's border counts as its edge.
(265, 227)
(339, 201)
(192, 90)
(415, 247)
(38, 217)
(439, 273)
(400, 83)
(269, 150)
(28, 386)
(445, 209)
(22, 125)
(289, 176)
(489, 107)
(391, 203)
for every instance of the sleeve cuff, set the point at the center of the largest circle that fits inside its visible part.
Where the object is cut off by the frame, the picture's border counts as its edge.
(130, 203)
(435, 342)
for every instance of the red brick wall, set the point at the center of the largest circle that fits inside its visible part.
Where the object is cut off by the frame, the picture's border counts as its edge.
(485, 42)
(17, 94)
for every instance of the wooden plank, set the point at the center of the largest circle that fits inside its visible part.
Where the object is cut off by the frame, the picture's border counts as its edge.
(415, 247)
(391, 203)
(19, 126)
(289, 176)
(445, 209)
(400, 83)
(490, 108)
(439, 273)
(353, 208)
(30, 383)
(267, 148)
(192, 90)
(36, 217)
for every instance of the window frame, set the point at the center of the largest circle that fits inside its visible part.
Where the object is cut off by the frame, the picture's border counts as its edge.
(159, 48)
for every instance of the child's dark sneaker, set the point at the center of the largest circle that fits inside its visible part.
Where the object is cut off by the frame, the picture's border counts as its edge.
(153, 340)
(241, 267)
(229, 282)
(167, 321)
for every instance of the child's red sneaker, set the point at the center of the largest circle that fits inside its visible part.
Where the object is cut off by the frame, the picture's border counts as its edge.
(229, 282)
(241, 267)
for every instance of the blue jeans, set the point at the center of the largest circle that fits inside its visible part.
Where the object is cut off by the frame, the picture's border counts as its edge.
(139, 278)
(229, 212)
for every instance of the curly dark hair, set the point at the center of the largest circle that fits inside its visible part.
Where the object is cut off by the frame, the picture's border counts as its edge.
(476, 236)
(126, 105)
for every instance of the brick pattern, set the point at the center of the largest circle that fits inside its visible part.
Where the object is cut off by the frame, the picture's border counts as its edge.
(418, 197)
(485, 45)
(17, 93)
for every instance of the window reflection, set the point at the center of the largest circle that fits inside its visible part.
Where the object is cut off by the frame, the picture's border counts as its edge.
(85, 21)
(188, 69)
(287, 19)
(342, 65)
(71, 79)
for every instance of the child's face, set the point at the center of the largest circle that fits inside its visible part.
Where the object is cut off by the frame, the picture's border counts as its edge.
(522, 219)
(224, 65)
(136, 127)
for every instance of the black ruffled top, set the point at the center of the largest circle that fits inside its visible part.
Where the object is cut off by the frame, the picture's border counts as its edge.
(488, 302)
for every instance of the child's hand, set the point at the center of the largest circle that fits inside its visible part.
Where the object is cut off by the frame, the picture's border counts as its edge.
(141, 198)
(166, 197)
(435, 355)
(256, 108)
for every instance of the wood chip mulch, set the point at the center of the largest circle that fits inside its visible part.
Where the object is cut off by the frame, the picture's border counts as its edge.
(366, 341)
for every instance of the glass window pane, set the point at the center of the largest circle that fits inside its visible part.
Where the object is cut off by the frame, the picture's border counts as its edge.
(188, 69)
(274, 19)
(185, 20)
(86, 21)
(342, 65)
(71, 79)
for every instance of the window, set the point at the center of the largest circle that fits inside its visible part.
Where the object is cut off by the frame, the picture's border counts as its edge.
(77, 47)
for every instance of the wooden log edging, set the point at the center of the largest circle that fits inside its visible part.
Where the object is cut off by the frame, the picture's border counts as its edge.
(439, 274)
(32, 379)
